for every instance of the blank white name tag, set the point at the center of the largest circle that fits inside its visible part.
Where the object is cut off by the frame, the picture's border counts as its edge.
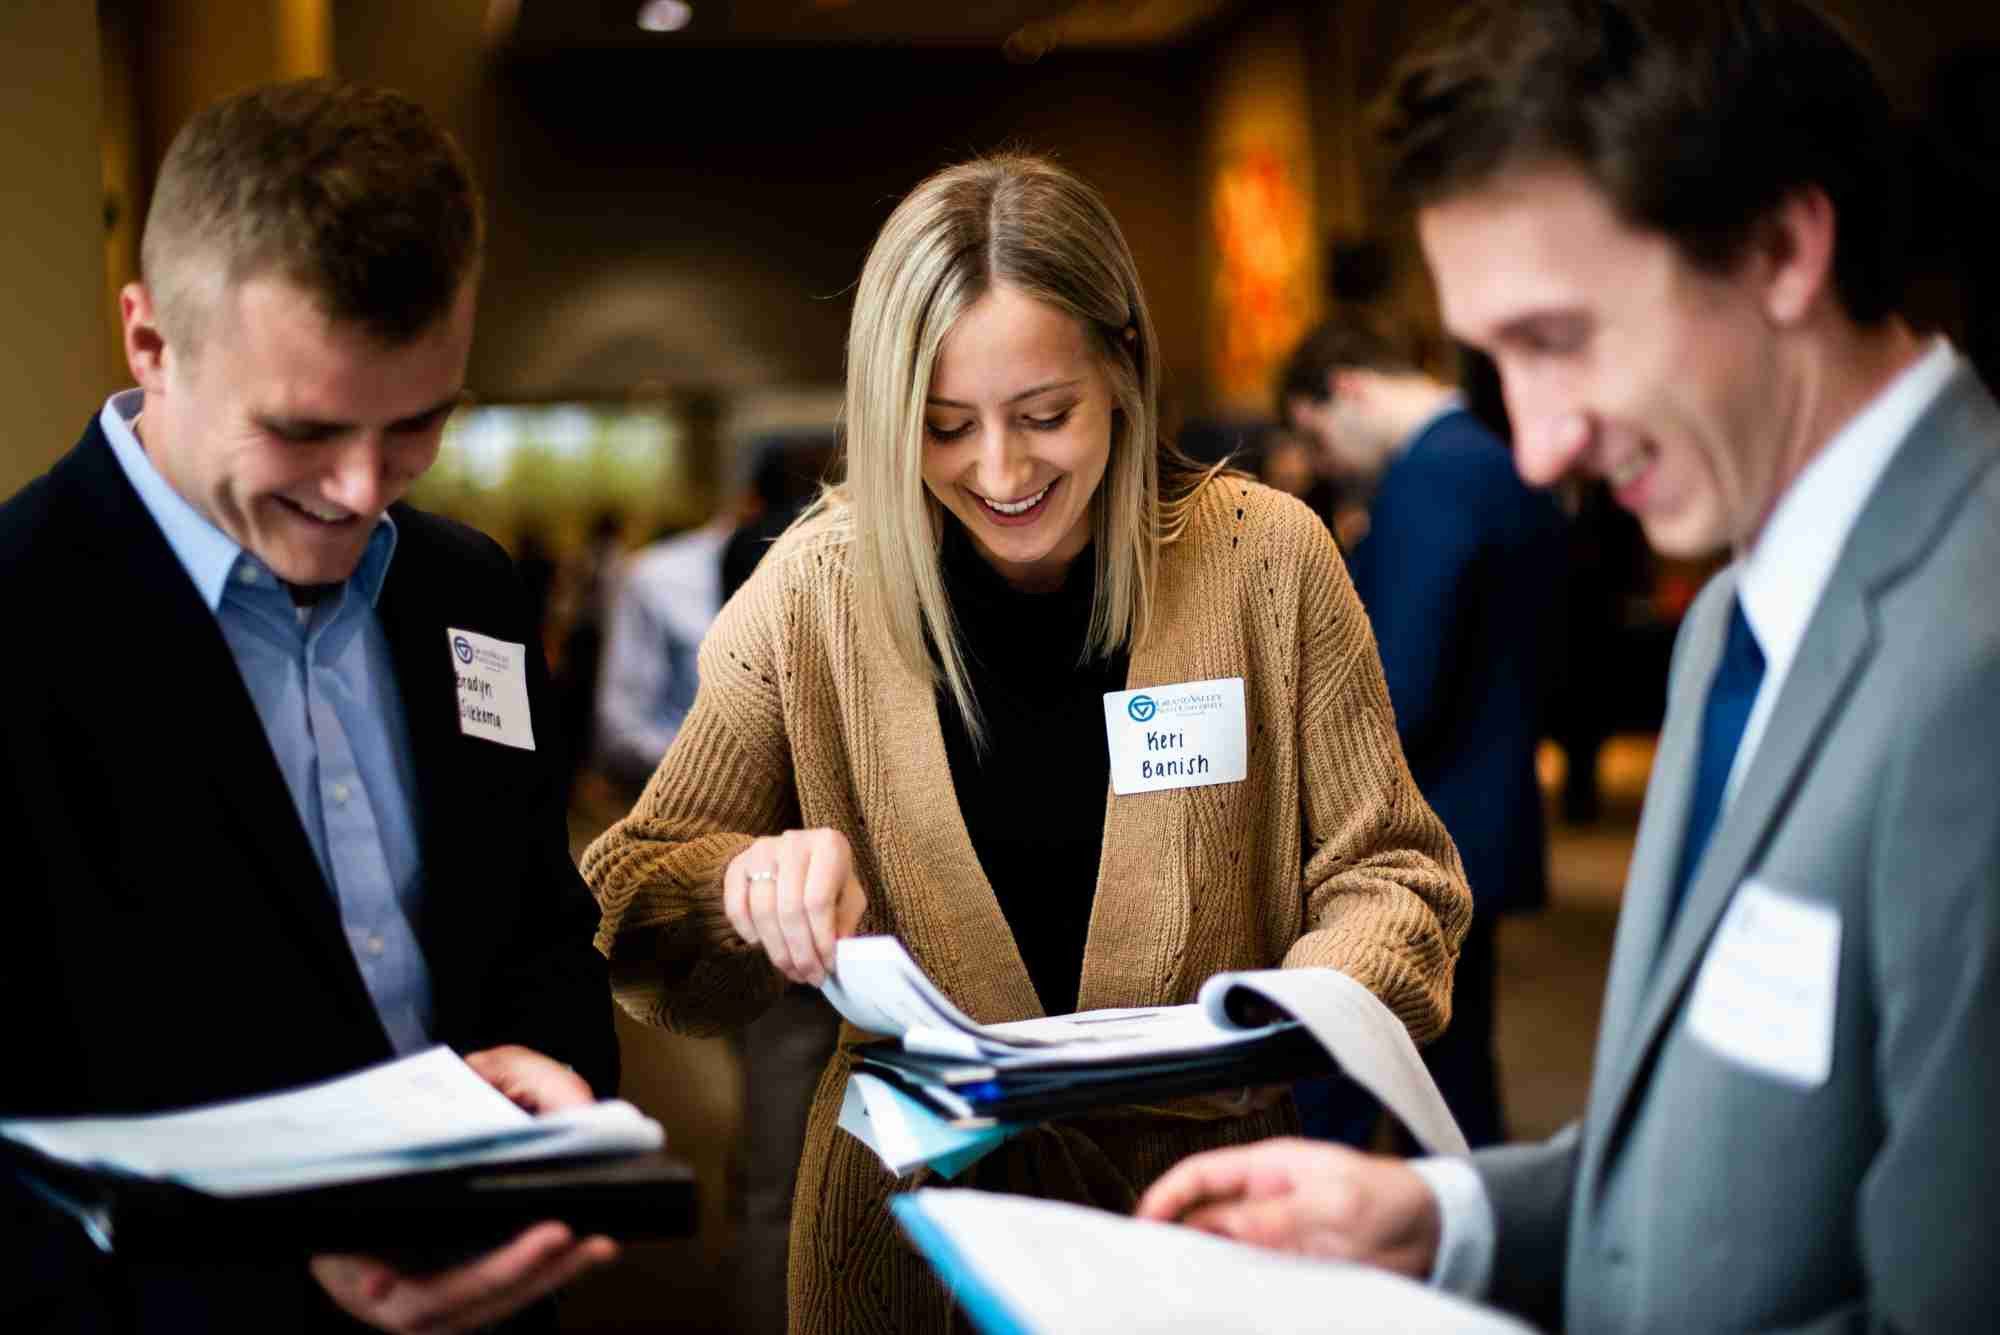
(1765, 995)
(1183, 736)
(492, 688)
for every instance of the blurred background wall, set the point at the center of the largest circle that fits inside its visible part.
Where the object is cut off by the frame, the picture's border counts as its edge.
(677, 216)
(57, 359)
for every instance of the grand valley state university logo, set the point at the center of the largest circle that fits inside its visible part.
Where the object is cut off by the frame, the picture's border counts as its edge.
(463, 648)
(1141, 708)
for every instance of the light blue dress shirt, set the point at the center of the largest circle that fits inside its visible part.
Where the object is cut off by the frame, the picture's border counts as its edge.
(325, 688)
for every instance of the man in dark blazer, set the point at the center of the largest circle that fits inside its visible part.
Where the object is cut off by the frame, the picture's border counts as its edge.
(1674, 228)
(1459, 569)
(260, 831)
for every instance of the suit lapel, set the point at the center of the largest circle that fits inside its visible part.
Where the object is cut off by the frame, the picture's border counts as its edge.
(414, 627)
(1930, 474)
(209, 731)
(1837, 645)
(1662, 826)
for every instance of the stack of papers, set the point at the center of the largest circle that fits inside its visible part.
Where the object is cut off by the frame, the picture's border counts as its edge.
(426, 1124)
(1020, 1266)
(941, 1090)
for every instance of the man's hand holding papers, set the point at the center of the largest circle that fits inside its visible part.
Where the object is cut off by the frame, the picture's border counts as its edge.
(276, 1175)
(1020, 1266)
(465, 1297)
(1308, 1197)
(533, 1265)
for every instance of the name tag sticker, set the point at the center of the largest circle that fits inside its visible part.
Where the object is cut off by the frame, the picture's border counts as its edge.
(492, 688)
(1765, 994)
(1185, 736)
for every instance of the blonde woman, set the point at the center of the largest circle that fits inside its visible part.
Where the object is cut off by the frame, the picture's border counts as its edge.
(900, 726)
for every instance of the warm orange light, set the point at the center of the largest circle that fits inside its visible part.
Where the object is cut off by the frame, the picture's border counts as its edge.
(1260, 297)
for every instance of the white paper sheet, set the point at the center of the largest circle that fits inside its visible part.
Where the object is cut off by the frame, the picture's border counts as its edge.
(1362, 1035)
(1023, 1265)
(428, 1110)
(878, 987)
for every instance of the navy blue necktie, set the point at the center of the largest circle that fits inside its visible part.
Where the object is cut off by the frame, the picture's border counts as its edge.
(1730, 696)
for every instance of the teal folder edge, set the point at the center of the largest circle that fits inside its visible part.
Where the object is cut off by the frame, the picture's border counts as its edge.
(981, 1304)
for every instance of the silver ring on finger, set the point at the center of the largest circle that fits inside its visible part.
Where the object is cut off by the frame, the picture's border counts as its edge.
(763, 874)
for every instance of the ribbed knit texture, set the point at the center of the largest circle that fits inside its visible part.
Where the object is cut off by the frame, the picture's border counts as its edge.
(1325, 855)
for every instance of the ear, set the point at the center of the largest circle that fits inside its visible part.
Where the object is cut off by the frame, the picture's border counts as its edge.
(1349, 382)
(145, 344)
(1795, 250)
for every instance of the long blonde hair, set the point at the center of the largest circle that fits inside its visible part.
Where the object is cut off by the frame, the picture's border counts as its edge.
(1023, 222)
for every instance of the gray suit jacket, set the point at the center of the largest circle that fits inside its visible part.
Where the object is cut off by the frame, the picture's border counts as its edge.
(1699, 1194)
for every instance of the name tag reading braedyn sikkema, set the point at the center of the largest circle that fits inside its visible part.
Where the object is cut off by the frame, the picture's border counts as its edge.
(492, 688)
(1183, 736)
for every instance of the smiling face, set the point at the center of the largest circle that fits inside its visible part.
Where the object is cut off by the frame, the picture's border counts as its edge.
(289, 432)
(1618, 357)
(1017, 433)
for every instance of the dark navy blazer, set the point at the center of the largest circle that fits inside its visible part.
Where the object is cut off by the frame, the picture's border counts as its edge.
(1460, 572)
(171, 939)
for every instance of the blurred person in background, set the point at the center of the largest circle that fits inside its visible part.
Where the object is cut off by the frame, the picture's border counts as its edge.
(586, 582)
(536, 567)
(663, 598)
(1677, 228)
(901, 727)
(785, 479)
(1460, 570)
(253, 843)
(784, 1049)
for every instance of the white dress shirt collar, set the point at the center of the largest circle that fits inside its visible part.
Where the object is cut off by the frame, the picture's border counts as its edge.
(1781, 579)
(1786, 571)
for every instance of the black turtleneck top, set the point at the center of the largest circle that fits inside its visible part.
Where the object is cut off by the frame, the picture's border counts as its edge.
(1034, 801)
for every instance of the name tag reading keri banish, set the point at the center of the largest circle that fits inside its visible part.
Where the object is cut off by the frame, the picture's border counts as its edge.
(492, 688)
(1183, 736)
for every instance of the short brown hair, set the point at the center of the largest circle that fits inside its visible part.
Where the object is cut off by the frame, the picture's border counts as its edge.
(353, 193)
(1349, 343)
(1695, 118)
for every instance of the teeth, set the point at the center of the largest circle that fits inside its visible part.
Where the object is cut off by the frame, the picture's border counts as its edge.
(324, 516)
(1626, 469)
(1017, 507)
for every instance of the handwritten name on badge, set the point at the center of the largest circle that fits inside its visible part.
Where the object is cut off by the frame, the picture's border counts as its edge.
(492, 688)
(1184, 736)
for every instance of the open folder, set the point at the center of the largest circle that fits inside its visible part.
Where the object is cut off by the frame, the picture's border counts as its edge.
(1019, 1266)
(415, 1156)
(940, 1088)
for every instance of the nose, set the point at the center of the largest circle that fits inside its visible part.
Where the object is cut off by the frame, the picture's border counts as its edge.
(356, 479)
(1552, 431)
(1001, 471)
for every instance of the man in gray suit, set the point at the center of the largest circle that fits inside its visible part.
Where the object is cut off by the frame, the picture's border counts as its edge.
(1673, 227)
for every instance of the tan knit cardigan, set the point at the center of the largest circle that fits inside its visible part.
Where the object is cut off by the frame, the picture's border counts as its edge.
(1325, 855)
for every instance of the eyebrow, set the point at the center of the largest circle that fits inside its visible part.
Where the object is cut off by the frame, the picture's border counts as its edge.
(1024, 394)
(321, 426)
(1562, 319)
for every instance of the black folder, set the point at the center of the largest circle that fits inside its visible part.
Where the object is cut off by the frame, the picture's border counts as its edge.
(419, 1219)
(1025, 1092)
